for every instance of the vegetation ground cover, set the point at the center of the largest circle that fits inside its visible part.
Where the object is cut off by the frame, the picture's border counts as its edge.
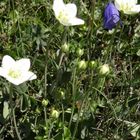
(72, 98)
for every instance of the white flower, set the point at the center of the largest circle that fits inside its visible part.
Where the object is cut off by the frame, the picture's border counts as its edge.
(104, 69)
(16, 72)
(66, 13)
(127, 6)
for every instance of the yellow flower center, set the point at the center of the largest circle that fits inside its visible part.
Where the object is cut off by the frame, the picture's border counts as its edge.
(63, 17)
(126, 7)
(14, 73)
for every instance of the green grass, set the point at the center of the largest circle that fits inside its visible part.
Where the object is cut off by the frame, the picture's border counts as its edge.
(70, 101)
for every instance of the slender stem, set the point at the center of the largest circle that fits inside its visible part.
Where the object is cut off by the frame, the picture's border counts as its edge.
(63, 113)
(73, 95)
(77, 122)
(61, 58)
(64, 40)
(93, 2)
(13, 112)
(45, 93)
(51, 127)
(101, 83)
(109, 49)
(45, 85)
(15, 125)
(91, 23)
(79, 112)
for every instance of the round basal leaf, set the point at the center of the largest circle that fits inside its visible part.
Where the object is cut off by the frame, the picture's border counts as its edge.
(6, 110)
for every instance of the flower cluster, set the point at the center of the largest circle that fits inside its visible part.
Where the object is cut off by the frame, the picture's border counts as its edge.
(18, 72)
(66, 13)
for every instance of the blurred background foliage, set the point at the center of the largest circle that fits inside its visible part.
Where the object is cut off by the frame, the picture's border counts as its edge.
(71, 99)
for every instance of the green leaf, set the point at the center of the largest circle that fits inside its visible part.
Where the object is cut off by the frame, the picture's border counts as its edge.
(24, 103)
(66, 134)
(134, 131)
(6, 110)
(134, 128)
(138, 53)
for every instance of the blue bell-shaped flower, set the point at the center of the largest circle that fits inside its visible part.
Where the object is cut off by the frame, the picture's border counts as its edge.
(111, 16)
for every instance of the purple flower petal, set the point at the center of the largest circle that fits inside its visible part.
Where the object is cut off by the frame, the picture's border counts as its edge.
(111, 16)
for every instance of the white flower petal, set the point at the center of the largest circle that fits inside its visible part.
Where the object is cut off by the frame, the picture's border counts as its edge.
(71, 10)
(58, 5)
(27, 76)
(76, 21)
(23, 78)
(130, 12)
(136, 8)
(65, 22)
(118, 4)
(134, 1)
(14, 81)
(128, 7)
(31, 76)
(3, 72)
(23, 64)
(7, 61)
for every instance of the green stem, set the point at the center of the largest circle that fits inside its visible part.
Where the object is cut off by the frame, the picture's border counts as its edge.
(15, 125)
(91, 18)
(101, 83)
(64, 40)
(85, 99)
(73, 95)
(60, 59)
(109, 48)
(45, 89)
(45, 83)
(63, 113)
(77, 122)
(13, 112)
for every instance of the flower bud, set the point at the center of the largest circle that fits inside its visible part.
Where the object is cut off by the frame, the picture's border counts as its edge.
(104, 69)
(65, 48)
(62, 94)
(92, 64)
(37, 110)
(45, 102)
(80, 52)
(54, 113)
(82, 64)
